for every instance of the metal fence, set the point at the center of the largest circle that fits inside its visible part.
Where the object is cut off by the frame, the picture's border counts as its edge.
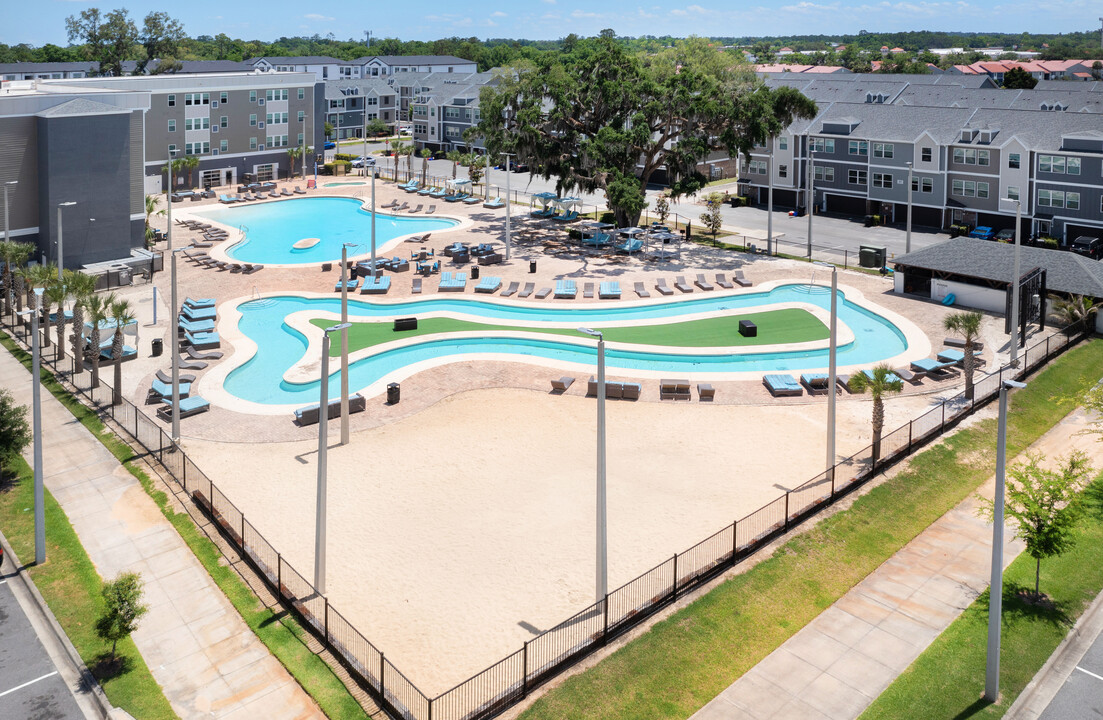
(510, 679)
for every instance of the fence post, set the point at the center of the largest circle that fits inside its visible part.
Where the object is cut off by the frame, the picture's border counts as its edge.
(674, 584)
(326, 621)
(786, 509)
(242, 532)
(279, 576)
(605, 619)
(1047, 346)
(911, 423)
(943, 417)
(735, 539)
(382, 690)
(525, 669)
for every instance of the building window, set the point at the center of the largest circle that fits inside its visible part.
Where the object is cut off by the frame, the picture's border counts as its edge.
(1058, 164)
(302, 93)
(1072, 201)
(275, 141)
(969, 188)
(982, 189)
(922, 184)
(882, 180)
(299, 141)
(857, 177)
(1013, 161)
(222, 145)
(823, 174)
(983, 157)
(883, 150)
(271, 95)
(1012, 193)
(757, 167)
(252, 143)
(197, 98)
(1052, 198)
(252, 96)
(172, 101)
(302, 115)
(783, 143)
(820, 145)
(859, 147)
(172, 126)
(172, 151)
(371, 100)
(926, 154)
(224, 121)
(971, 156)
(1072, 166)
(782, 171)
(222, 97)
(252, 121)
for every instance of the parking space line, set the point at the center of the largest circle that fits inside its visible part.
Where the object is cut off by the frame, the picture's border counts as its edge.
(1089, 672)
(30, 682)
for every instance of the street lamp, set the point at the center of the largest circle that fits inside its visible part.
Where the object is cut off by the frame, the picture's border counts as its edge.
(508, 203)
(174, 339)
(1015, 283)
(7, 228)
(36, 421)
(995, 589)
(602, 584)
(345, 343)
(811, 200)
(831, 367)
(60, 259)
(908, 237)
(373, 174)
(323, 426)
(769, 210)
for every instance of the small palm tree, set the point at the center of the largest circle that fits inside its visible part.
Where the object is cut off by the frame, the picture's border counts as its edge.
(14, 255)
(293, 154)
(57, 292)
(81, 287)
(1076, 311)
(454, 156)
(189, 163)
(99, 309)
(122, 314)
(880, 381)
(967, 325)
(171, 167)
(151, 210)
(425, 153)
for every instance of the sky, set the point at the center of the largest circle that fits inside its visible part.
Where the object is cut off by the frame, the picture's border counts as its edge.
(43, 21)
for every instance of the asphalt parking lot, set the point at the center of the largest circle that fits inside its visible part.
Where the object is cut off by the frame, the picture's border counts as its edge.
(1082, 694)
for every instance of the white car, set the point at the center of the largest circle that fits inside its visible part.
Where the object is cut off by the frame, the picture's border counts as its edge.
(363, 161)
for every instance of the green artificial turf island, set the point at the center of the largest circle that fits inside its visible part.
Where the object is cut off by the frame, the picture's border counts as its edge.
(775, 327)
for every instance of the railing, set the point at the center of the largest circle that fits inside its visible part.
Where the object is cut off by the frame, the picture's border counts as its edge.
(507, 681)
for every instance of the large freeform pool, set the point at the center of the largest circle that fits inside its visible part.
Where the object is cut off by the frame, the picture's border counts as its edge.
(272, 229)
(279, 347)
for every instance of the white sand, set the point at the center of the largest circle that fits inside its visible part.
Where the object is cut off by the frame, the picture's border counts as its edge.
(451, 528)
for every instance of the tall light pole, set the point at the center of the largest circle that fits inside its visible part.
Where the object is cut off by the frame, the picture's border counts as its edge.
(345, 343)
(373, 174)
(995, 588)
(486, 180)
(174, 349)
(36, 422)
(323, 426)
(770, 210)
(7, 230)
(602, 578)
(908, 237)
(1015, 284)
(509, 203)
(831, 367)
(60, 238)
(811, 200)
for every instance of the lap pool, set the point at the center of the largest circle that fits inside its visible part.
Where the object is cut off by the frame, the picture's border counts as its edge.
(272, 229)
(279, 347)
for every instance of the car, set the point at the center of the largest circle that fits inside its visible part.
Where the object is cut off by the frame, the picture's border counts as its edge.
(1088, 246)
(404, 131)
(1006, 236)
(983, 232)
(362, 161)
(520, 168)
(330, 145)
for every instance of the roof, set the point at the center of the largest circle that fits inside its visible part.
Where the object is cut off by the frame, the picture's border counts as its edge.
(42, 67)
(82, 106)
(1066, 272)
(419, 60)
(299, 60)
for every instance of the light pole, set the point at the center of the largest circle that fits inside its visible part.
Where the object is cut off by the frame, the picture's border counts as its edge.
(908, 237)
(345, 343)
(36, 421)
(770, 211)
(508, 203)
(373, 174)
(60, 239)
(811, 200)
(174, 349)
(1014, 362)
(486, 180)
(602, 580)
(995, 589)
(320, 508)
(7, 229)
(831, 367)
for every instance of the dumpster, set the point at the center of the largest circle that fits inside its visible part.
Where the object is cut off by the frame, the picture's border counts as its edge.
(157, 348)
(872, 256)
(394, 392)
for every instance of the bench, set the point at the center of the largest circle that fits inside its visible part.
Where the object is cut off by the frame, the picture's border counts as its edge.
(309, 415)
(674, 390)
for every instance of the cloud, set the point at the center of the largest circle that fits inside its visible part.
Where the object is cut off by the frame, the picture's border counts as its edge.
(498, 13)
(316, 16)
(549, 2)
(582, 14)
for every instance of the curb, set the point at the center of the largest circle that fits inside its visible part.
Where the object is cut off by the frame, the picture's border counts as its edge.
(87, 682)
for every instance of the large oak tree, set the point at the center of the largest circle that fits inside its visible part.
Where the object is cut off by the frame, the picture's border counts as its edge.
(597, 117)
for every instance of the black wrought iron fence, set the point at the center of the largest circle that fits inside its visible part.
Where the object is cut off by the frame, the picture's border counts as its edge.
(507, 681)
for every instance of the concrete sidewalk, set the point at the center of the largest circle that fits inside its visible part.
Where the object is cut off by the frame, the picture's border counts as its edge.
(841, 661)
(198, 648)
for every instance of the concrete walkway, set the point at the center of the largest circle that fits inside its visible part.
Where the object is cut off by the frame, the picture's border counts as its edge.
(198, 648)
(841, 661)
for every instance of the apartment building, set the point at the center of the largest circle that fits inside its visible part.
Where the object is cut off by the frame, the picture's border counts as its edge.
(372, 66)
(351, 104)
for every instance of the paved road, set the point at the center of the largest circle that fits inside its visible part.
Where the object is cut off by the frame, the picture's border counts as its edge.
(31, 687)
(1081, 696)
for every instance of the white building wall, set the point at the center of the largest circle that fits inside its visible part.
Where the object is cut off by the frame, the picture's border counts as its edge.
(970, 296)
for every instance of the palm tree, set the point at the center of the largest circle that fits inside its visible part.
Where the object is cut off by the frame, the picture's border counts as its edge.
(967, 325)
(122, 314)
(14, 255)
(57, 292)
(189, 163)
(1076, 311)
(151, 210)
(172, 167)
(880, 381)
(81, 287)
(408, 150)
(99, 309)
(293, 154)
(454, 156)
(425, 153)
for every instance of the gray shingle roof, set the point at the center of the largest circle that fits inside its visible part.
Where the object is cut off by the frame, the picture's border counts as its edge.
(893, 122)
(1066, 272)
(82, 106)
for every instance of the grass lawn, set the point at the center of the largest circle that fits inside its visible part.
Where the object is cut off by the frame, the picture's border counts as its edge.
(71, 587)
(955, 661)
(280, 632)
(684, 661)
(790, 325)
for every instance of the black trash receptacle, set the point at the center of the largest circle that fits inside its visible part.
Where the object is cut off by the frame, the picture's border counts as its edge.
(532, 266)
(158, 347)
(394, 392)
(475, 272)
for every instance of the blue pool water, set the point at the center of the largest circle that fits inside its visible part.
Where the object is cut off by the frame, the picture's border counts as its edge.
(260, 380)
(273, 228)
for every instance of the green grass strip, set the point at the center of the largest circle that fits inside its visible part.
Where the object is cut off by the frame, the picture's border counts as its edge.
(283, 635)
(71, 587)
(684, 661)
(775, 327)
(955, 661)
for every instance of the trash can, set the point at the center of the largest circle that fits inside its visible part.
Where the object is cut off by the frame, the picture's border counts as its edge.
(532, 266)
(474, 272)
(158, 347)
(394, 392)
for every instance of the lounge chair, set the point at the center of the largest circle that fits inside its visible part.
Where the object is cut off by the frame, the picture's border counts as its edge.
(816, 383)
(236, 267)
(227, 199)
(527, 290)
(781, 384)
(472, 200)
(196, 355)
(199, 303)
(957, 357)
(511, 290)
(415, 286)
(631, 391)
(391, 204)
(159, 390)
(702, 283)
(203, 340)
(927, 366)
(609, 290)
(402, 207)
(439, 193)
(284, 192)
(380, 286)
(567, 217)
(417, 209)
(681, 284)
(741, 281)
(960, 343)
(188, 407)
(251, 268)
(543, 293)
(560, 386)
(310, 414)
(674, 390)
(566, 289)
(448, 283)
(843, 381)
(890, 377)
(298, 191)
(588, 291)
(196, 326)
(426, 190)
(193, 255)
(642, 291)
(489, 284)
(908, 376)
(197, 314)
(494, 204)
(723, 282)
(350, 285)
(432, 209)
(661, 286)
(705, 392)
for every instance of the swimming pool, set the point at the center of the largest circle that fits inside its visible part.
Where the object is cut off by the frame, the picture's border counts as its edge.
(272, 229)
(279, 347)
